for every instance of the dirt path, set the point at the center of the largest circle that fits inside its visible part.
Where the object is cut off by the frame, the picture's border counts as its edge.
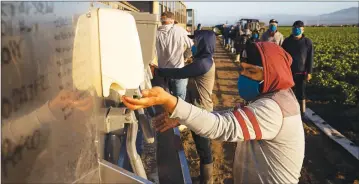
(325, 162)
(225, 95)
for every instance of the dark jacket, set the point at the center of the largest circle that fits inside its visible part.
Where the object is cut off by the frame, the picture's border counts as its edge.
(202, 60)
(201, 71)
(254, 40)
(302, 52)
(226, 31)
(233, 33)
(240, 43)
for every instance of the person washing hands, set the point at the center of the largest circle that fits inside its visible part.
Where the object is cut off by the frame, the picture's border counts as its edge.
(268, 128)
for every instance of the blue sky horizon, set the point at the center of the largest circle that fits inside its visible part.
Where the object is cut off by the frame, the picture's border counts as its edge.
(207, 11)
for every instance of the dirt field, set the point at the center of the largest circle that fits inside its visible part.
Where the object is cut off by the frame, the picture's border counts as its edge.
(325, 161)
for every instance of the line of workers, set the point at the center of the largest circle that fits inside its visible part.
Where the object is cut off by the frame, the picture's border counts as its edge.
(267, 127)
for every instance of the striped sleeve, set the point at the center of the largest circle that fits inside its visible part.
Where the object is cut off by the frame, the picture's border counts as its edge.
(15, 130)
(260, 120)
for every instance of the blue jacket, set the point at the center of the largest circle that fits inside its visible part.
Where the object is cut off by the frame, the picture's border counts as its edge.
(202, 60)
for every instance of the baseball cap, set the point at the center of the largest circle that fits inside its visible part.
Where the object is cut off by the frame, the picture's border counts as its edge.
(273, 21)
(298, 23)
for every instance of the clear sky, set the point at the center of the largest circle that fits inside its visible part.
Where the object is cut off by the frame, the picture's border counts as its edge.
(205, 10)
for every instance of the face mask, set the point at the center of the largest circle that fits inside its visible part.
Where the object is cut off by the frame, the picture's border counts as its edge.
(248, 88)
(272, 28)
(194, 50)
(296, 31)
(255, 36)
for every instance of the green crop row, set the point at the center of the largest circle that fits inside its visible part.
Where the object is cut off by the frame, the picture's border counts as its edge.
(336, 64)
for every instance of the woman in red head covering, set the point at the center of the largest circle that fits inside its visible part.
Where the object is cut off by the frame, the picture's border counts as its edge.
(268, 129)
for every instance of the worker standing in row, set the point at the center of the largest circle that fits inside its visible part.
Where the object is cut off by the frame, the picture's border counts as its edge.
(232, 37)
(248, 37)
(199, 27)
(255, 36)
(272, 34)
(241, 44)
(171, 43)
(194, 48)
(226, 39)
(201, 74)
(301, 49)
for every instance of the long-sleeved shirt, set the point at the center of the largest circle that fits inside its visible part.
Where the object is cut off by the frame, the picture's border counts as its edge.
(201, 71)
(171, 42)
(37, 150)
(302, 52)
(269, 135)
(196, 68)
(33, 130)
(277, 37)
(200, 85)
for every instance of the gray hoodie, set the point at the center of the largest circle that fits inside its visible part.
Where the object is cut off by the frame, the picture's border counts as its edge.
(171, 42)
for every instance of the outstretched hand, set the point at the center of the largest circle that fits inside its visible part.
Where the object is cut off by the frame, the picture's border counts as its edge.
(151, 97)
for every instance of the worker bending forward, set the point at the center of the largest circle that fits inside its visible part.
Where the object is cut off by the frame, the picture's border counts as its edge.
(201, 74)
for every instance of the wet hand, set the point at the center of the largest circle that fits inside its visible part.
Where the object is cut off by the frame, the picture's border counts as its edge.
(163, 122)
(151, 97)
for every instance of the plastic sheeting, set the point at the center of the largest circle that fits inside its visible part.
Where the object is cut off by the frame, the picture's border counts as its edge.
(49, 127)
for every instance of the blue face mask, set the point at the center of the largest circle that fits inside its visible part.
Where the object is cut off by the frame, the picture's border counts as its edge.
(296, 31)
(248, 88)
(255, 36)
(272, 28)
(194, 50)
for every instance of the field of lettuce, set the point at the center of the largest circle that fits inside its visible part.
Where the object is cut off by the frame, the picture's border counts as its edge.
(333, 92)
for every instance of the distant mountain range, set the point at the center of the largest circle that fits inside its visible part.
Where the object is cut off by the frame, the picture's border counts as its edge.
(344, 16)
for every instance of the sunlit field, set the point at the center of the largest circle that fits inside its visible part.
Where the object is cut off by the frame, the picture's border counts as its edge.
(336, 63)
